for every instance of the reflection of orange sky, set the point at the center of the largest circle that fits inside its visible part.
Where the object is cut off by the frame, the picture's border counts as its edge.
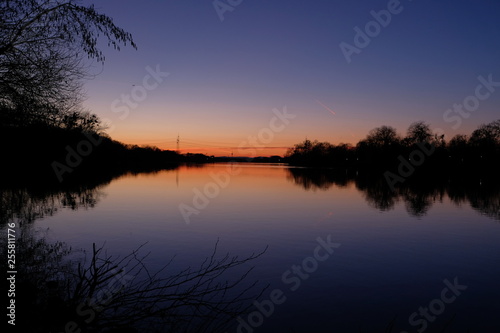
(245, 184)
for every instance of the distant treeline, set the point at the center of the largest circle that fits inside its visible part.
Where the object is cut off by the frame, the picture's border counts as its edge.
(383, 148)
(62, 152)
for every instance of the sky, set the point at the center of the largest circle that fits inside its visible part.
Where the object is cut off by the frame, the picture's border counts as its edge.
(254, 77)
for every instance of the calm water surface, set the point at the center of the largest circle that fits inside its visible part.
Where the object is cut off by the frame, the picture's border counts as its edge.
(388, 264)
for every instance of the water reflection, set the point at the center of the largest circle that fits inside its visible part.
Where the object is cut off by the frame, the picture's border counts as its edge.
(98, 292)
(23, 205)
(277, 205)
(317, 179)
(418, 195)
(32, 200)
(36, 201)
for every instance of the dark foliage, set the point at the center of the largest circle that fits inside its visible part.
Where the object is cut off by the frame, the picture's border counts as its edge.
(60, 288)
(383, 150)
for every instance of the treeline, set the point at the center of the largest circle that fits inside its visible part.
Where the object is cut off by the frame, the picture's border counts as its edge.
(60, 154)
(384, 148)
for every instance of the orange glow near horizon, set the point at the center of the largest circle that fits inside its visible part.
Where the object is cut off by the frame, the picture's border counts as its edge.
(229, 147)
(230, 150)
(219, 151)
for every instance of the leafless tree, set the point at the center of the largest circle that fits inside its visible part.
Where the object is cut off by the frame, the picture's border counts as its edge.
(383, 136)
(486, 135)
(197, 299)
(43, 48)
(61, 287)
(417, 132)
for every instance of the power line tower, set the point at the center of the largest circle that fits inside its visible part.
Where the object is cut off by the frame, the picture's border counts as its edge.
(178, 142)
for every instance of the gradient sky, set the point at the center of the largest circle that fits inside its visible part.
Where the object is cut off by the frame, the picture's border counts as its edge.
(227, 76)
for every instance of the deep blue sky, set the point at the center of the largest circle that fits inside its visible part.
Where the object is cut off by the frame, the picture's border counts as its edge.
(226, 77)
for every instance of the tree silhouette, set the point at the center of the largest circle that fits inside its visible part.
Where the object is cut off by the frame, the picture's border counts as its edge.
(43, 46)
(486, 135)
(417, 132)
(59, 288)
(383, 137)
(485, 143)
(383, 149)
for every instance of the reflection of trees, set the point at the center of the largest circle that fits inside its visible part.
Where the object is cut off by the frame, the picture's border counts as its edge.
(489, 206)
(377, 195)
(24, 205)
(418, 193)
(485, 198)
(483, 194)
(29, 199)
(322, 179)
(418, 203)
(58, 287)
